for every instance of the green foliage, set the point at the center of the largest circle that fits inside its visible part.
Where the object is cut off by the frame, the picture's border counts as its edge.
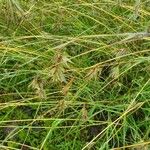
(74, 74)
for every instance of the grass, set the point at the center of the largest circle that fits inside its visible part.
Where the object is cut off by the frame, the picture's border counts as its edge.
(74, 75)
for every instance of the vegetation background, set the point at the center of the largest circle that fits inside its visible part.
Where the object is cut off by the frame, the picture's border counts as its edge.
(74, 74)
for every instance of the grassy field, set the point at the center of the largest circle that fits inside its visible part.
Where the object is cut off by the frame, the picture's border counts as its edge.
(74, 75)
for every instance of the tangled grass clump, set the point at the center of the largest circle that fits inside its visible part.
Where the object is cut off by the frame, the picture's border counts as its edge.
(74, 75)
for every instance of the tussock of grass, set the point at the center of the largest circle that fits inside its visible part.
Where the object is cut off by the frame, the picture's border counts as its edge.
(74, 74)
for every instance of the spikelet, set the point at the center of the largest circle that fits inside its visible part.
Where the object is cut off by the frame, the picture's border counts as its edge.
(84, 113)
(67, 87)
(38, 86)
(57, 71)
(94, 73)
